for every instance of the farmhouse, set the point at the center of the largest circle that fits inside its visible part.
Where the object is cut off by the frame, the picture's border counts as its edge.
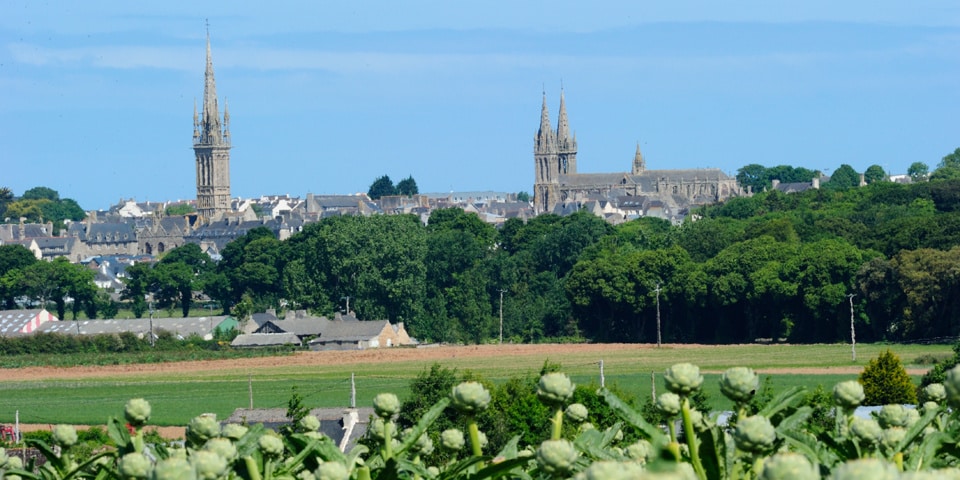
(343, 332)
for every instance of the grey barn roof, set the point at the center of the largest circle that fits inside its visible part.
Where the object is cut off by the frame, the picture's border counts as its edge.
(265, 340)
(351, 331)
(183, 327)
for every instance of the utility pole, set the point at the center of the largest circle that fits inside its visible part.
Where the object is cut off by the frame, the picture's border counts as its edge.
(658, 314)
(151, 324)
(348, 303)
(501, 315)
(853, 332)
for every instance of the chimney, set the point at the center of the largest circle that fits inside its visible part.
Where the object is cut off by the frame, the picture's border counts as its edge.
(272, 311)
(863, 180)
(816, 183)
(775, 183)
(289, 315)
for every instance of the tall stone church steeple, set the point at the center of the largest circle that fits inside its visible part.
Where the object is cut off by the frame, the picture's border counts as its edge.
(211, 147)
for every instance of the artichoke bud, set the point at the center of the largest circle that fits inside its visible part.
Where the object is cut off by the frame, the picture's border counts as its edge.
(208, 465)
(576, 412)
(893, 416)
(555, 388)
(174, 468)
(64, 435)
(470, 397)
(640, 451)
(788, 466)
(452, 439)
(866, 469)
(270, 445)
(892, 436)
(930, 406)
(332, 471)
(557, 456)
(223, 447)
(134, 465)
(203, 428)
(951, 384)
(234, 431)
(386, 405)
(137, 412)
(866, 430)
(935, 392)
(739, 384)
(612, 470)
(683, 378)
(754, 434)
(310, 423)
(848, 394)
(669, 404)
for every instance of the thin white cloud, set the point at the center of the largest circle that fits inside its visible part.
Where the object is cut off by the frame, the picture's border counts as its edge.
(280, 59)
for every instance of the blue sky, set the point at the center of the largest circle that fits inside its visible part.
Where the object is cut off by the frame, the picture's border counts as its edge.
(96, 97)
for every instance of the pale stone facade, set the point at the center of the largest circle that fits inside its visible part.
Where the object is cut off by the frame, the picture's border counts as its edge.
(558, 184)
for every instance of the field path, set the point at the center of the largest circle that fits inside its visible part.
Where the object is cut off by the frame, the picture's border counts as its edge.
(373, 356)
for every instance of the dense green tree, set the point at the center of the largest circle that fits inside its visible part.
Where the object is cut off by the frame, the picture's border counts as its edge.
(874, 174)
(523, 197)
(29, 210)
(41, 193)
(918, 171)
(191, 255)
(951, 160)
(886, 382)
(753, 176)
(928, 280)
(137, 287)
(173, 284)
(407, 186)
(843, 177)
(54, 281)
(381, 187)
(13, 259)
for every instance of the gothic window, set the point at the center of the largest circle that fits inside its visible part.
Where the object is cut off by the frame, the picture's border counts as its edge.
(149, 248)
(160, 247)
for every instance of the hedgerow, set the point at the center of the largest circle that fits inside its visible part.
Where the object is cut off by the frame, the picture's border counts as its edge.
(774, 442)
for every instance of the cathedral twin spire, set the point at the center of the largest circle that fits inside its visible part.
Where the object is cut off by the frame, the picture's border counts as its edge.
(547, 139)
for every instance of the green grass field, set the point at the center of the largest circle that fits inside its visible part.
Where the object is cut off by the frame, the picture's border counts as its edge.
(178, 397)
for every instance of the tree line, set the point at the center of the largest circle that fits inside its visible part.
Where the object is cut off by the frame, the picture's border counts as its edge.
(770, 266)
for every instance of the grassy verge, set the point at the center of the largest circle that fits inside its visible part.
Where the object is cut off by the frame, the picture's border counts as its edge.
(150, 356)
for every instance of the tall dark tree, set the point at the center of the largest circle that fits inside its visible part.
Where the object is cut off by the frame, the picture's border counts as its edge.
(381, 187)
(6, 196)
(407, 186)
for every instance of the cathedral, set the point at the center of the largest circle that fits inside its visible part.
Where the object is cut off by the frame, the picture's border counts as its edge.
(211, 147)
(557, 184)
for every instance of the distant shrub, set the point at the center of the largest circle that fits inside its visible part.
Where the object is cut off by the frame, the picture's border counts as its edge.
(932, 359)
(885, 381)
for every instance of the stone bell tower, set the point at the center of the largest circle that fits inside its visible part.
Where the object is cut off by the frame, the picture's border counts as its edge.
(211, 147)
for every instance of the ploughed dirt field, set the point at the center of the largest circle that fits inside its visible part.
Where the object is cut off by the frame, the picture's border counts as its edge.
(328, 358)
